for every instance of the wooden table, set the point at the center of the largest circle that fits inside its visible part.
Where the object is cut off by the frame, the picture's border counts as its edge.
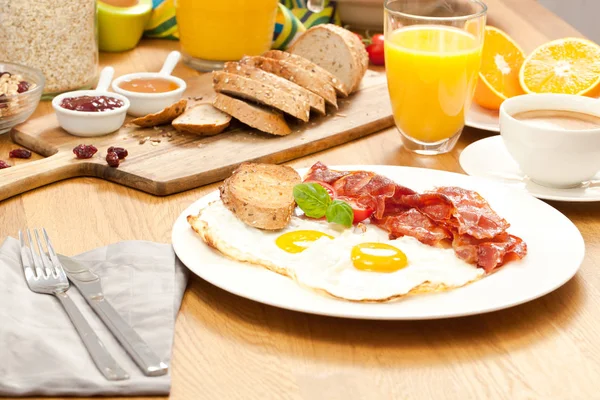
(227, 347)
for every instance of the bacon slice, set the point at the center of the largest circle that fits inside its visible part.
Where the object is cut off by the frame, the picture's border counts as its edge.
(489, 253)
(321, 173)
(413, 223)
(473, 215)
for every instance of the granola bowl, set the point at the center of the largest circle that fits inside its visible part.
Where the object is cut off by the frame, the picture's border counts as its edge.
(20, 92)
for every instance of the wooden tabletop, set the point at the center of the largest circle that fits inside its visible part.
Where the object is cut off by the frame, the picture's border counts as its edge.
(227, 347)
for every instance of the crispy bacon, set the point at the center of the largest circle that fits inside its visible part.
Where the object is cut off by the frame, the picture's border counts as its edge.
(489, 253)
(321, 173)
(413, 223)
(472, 215)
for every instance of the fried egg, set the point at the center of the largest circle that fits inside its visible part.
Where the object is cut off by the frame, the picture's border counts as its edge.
(352, 264)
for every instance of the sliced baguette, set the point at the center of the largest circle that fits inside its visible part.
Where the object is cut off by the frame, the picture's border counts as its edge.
(307, 79)
(162, 117)
(317, 103)
(202, 119)
(264, 119)
(250, 89)
(302, 62)
(335, 49)
(260, 195)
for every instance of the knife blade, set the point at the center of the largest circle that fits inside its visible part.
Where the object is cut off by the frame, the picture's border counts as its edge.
(89, 284)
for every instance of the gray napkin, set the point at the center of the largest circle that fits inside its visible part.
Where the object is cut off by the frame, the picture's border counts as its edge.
(40, 351)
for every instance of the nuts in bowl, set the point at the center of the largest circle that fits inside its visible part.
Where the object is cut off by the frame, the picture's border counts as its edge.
(20, 91)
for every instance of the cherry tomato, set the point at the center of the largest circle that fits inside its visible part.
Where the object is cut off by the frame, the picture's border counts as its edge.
(360, 213)
(377, 38)
(327, 187)
(376, 53)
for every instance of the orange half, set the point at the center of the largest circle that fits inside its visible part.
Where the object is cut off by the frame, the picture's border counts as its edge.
(501, 61)
(568, 66)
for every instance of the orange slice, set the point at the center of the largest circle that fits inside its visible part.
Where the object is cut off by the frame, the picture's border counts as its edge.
(569, 66)
(501, 60)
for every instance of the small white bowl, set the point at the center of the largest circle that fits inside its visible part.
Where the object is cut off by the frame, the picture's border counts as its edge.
(88, 123)
(149, 103)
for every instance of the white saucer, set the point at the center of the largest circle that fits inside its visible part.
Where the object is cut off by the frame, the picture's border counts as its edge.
(481, 118)
(488, 158)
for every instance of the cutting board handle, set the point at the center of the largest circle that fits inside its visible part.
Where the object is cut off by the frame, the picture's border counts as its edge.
(31, 175)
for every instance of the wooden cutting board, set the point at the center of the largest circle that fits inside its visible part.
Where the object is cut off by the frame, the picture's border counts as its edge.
(169, 162)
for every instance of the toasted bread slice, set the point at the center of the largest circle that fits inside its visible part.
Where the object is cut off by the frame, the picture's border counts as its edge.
(335, 49)
(202, 119)
(260, 195)
(307, 79)
(302, 62)
(317, 103)
(246, 88)
(263, 118)
(162, 117)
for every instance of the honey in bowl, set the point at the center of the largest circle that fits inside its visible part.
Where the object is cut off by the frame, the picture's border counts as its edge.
(149, 85)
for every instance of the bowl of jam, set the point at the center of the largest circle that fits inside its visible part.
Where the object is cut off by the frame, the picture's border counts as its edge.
(91, 103)
(150, 92)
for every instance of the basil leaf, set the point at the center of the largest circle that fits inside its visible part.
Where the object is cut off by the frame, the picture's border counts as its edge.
(340, 212)
(312, 198)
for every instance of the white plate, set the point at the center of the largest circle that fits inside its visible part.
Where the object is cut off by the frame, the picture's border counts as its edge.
(481, 118)
(488, 158)
(556, 250)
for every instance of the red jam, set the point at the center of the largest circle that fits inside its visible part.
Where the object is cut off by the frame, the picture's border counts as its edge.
(91, 103)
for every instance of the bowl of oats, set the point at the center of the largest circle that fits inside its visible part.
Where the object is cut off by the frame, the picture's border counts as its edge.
(20, 91)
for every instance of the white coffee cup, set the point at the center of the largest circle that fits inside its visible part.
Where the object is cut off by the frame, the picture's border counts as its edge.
(550, 156)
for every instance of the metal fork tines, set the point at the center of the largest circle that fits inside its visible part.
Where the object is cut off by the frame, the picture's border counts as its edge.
(44, 274)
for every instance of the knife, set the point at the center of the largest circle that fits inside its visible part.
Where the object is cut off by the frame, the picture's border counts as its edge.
(89, 285)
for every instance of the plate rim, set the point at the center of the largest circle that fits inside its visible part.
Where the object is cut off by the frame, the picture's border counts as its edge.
(182, 220)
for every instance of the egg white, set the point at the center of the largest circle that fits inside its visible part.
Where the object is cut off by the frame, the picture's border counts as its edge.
(326, 264)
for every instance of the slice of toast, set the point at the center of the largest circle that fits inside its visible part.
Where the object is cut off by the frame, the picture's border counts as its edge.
(317, 103)
(335, 49)
(302, 62)
(261, 195)
(250, 89)
(307, 79)
(162, 117)
(264, 119)
(202, 119)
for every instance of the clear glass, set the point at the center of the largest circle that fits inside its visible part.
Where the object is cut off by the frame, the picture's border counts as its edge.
(57, 37)
(432, 60)
(214, 32)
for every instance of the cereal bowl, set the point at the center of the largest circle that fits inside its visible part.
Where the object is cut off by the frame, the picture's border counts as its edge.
(17, 107)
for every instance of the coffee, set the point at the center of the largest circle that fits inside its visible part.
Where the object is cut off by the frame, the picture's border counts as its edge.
(559, 119)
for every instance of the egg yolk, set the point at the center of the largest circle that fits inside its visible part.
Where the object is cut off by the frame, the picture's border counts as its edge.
(296, 241)
(378, 257)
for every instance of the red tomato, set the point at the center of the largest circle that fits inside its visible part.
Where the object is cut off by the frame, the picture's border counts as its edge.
(360, 213)
(377, 38)
(376, 53)
(327, 187)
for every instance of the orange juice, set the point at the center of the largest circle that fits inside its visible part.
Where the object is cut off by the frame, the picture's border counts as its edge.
(225, 30)
(432, 73)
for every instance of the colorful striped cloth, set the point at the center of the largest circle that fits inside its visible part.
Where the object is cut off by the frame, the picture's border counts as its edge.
(292, 19)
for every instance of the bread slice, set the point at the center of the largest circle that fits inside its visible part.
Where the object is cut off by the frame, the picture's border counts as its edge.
(302, 62)
(316, 102)
(246, 88)
(260, 195)
(264, 119)
(162, 117)
(202, 119)
(335, 49)
(307, 79)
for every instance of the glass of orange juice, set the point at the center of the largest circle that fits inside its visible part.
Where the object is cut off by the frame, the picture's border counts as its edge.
(212, 32)
(432, 61)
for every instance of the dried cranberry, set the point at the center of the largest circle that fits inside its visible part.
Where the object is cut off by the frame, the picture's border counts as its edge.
(23, 87)
(85, 151)
(4, 164)
(19, 153)
(112, 159)
(121, 152)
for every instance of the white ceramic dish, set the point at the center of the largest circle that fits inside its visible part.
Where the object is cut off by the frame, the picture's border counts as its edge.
(556, 250)
(488, 158)
(481, 118)
(90, 124)
(149, 103)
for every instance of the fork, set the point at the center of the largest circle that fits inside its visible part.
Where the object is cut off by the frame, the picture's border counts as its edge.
(44, 274)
